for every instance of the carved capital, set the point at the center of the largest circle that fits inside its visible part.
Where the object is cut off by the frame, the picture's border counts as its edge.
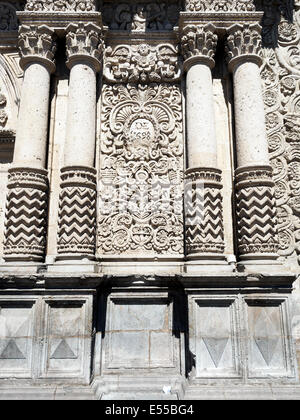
(219, 5)
(198, 44)
(84, 42)
(60, 6)
(243, 44)
(37, 44)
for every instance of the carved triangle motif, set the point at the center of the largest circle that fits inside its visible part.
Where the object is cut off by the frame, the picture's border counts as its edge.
(63, 351)
(215, 347)
(267, 347)
(12, 351)
(266, 336)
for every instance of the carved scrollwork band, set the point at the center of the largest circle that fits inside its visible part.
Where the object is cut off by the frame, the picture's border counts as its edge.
(256, 212)
(37, 44)
(243, 44)
(219, 6)
(84, 42)
(204, 233)
(77, 212)
(198, 44)
(26, 213)
(60, 6)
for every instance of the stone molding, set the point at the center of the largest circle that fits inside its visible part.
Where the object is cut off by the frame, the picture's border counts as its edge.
(204, 232)
(256, 213)
(77, 212)
(142, 63)
(60, 6)
(219, 6)
(26, 214)
(243, 44)
(84, 43)
(198, 44)
(37, 44)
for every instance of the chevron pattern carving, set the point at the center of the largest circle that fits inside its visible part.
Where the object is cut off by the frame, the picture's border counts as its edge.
(26, 213)
(256, 212)
(77, 212)
(203, 212)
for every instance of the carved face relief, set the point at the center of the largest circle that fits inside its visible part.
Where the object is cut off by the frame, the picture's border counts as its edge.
(140, 203)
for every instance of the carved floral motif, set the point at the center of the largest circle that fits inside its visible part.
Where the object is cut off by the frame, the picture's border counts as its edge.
(84, 39)
(141, 16)
(198, 41)
(60, 6)
(243, 40)
(8, 17)
(140, 203)
(141, 63)
(280, 74)
(219, 5)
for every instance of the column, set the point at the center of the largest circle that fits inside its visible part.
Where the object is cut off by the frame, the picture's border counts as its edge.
(254, 186)
(204, 237)
(77, 202)
(26, 212)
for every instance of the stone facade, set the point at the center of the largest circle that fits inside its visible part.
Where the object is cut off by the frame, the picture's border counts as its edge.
(149, 200)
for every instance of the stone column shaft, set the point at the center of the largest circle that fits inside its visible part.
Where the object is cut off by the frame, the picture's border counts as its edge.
(204, 237)
(77, 205)
(26, 213)
(255, 202)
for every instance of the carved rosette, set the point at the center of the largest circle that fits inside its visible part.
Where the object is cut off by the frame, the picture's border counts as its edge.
(256, 213)
(219, 5)
(26, 214)
(243, 44)
(37, 44)
(60, 6)
(77, 212)
(84, 42)
(198, 44)
(204, 234)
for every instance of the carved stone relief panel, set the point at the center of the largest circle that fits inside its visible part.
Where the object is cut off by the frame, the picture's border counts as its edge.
(141, 170)
(214, 336)
(281, 82)
(147, 15)
(269, 342)
(139, 327)
(8, 17)
(219, 5)
(60, 5)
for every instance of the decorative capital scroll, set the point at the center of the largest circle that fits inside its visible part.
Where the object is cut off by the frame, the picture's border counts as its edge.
(60, 6)
(243, 44)
(37, 44)
(142, 63)
(219, 6)
(26, 213)
(84, 42)
(198, 44)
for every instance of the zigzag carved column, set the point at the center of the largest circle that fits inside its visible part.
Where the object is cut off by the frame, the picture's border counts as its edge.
(204, 236)
(27, 182)
(77, 206)
(255, 202)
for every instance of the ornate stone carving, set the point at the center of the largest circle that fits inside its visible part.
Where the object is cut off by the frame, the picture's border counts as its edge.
(3, 113)
(8, 17)
(142, 63)
(256, 212)
(60, 6)
(26, 214)
(219, 5)
(244, 42)
(281, 83)
(140, 202)
(84, 40)
(77, 212)
(198, 42)
(36, 43)
(149, 15)
(203, 212)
